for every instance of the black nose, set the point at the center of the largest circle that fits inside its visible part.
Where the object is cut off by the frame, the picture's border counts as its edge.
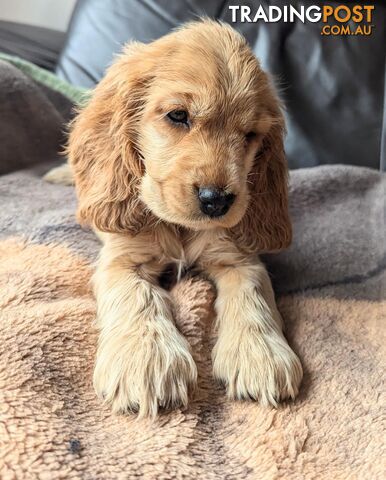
(214, 202)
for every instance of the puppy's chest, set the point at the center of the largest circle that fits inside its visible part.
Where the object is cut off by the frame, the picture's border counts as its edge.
(178, 261)
(183, 250)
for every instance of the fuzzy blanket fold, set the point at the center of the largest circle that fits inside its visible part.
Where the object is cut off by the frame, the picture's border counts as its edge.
(331, 292)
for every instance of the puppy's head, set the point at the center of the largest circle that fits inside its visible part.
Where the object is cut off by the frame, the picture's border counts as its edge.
(188, 130)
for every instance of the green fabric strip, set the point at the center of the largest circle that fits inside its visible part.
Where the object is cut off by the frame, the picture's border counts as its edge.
(78, 95)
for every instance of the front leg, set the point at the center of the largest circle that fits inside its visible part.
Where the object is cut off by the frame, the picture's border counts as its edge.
(142, 360)
(251, 356)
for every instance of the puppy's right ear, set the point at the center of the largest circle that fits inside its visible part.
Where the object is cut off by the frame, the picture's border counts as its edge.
(102, 147)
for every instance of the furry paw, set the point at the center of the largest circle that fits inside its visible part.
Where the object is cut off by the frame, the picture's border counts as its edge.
(60, 175)
(258, 366)
(149, 368)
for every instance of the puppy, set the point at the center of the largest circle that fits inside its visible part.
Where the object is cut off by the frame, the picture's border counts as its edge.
(178, 158)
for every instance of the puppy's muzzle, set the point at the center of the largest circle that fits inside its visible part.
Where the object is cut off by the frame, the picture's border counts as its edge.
(215, 202)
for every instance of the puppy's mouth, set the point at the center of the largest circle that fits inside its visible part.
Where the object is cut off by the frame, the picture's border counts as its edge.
(210, 218)
(198, 208)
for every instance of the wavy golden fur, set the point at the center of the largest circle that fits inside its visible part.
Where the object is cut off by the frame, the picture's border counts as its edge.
(137, 174)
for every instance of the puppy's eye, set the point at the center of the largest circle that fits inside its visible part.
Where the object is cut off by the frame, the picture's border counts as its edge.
(178, 116)
(250, 136)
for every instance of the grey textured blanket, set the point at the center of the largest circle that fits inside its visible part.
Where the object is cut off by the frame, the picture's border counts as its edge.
(32, 119)
(331, 291)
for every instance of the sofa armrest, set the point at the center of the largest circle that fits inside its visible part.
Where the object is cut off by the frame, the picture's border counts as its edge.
(38, 45)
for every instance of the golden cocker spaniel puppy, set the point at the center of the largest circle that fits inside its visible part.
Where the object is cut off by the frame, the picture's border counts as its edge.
(178, 158)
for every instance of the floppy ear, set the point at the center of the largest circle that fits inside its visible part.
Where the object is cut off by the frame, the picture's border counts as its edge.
(266, 225)
(103, 151)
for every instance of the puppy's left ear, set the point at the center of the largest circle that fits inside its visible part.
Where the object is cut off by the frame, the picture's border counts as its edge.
(266, 225)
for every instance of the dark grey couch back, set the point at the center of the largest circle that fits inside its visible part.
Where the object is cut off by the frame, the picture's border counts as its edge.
(333, 87)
